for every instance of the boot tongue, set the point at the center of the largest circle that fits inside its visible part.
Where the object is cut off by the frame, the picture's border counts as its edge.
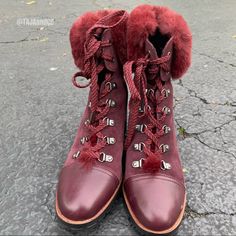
(110, 65)
(150, 49)
(168, 49)
(109, 50)
(164, 76)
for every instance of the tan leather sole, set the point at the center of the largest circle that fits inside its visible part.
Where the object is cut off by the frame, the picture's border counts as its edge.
(74, 222)
(167, 231)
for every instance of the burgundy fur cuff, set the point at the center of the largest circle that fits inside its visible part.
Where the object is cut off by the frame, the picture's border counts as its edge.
(83, 23)
(144, 20)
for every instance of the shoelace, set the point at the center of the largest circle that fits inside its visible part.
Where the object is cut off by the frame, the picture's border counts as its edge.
(99, 109)
(140, 95)
(93, 65)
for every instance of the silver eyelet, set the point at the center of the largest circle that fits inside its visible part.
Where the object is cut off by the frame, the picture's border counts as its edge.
(87, 122)
(76, 155)
(111, 103)
(166, 110)
(166, 129)
(139, 146)
(142, 109)
(140, 128)
(165, 92)
(83, 140)
(104, 157)
(165, 165)
(164, 147)
(111, 85)
(150, 91)
(137, 164)
(110, 140)
(169, 53)
(109, 121)
(89, 104)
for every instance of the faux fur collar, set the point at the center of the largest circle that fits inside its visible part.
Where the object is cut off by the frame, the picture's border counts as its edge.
(82, 25)
(144, 20)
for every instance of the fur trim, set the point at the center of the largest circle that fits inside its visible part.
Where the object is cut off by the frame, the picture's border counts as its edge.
(144, 21)
(78, 34)
(84, 23)
(86, 159)
(152, 163)
(86, 156)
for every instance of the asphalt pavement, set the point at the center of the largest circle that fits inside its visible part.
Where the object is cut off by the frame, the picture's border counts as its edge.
(40, 111)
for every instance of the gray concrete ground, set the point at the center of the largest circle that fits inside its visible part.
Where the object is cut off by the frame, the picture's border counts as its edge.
(40, 111)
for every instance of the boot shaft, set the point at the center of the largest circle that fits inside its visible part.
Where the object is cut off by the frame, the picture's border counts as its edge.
(95, 52)
(160, 50)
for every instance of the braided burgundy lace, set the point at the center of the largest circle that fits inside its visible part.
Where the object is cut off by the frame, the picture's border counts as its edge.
(93, 66)
(149, 103)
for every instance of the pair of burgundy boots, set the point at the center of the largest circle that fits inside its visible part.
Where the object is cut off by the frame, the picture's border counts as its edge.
(140, 51)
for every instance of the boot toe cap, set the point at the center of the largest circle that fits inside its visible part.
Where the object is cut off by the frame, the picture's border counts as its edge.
(83, 194)
(156, 202)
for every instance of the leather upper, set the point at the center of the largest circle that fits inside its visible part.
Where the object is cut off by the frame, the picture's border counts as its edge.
(155, 200)
(82, 193)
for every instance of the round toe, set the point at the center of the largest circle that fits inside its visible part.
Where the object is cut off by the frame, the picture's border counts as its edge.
(82, 194)
(156, 203)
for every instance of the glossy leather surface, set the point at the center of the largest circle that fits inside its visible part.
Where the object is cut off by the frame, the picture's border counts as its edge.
(82, 193)
(156, 201)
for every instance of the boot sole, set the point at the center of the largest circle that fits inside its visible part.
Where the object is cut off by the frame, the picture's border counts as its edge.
(142, 227)
(88, 221)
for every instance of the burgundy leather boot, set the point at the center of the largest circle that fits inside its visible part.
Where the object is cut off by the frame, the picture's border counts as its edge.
(159, 48)
(92, 173)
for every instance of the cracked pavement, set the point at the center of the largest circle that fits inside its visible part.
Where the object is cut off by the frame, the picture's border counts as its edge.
(40, 111)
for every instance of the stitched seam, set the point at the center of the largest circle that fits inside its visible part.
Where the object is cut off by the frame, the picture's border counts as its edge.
(106, 172)
(162, 177)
